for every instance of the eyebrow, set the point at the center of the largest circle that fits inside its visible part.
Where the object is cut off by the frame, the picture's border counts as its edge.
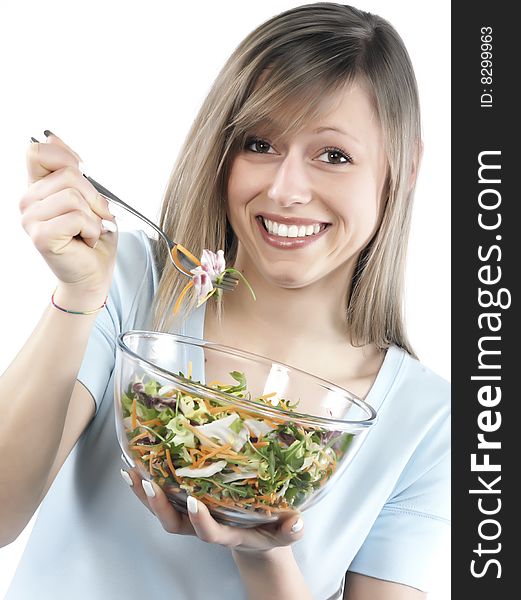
(330, 128)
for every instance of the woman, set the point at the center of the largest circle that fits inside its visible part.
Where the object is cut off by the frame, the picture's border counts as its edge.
(301, 165)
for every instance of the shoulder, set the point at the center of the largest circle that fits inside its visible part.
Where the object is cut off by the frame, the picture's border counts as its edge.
(421, 387)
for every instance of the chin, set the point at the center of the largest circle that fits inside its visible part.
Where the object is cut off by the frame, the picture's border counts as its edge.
(289, 279)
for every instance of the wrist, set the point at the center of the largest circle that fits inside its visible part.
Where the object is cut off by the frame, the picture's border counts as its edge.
(69, 299)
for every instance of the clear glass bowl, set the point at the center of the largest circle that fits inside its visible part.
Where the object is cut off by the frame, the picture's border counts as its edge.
(251, 438)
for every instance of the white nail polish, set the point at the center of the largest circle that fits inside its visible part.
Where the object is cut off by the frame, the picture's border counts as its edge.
(126, 477)
(191, 504)
(128, 461)
(109, 226)
(297, 526)
(147, 486)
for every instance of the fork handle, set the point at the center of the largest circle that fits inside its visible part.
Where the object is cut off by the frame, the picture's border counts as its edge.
(113, 198)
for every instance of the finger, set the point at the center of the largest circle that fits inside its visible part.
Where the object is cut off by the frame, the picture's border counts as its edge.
(133, 480)
(53, 235)
(52, 138)
(60, 204)
(67, 177)
(207, 528)
(290, 530)
(155, 499)
(43, 159)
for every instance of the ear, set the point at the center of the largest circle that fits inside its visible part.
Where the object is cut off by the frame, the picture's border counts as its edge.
(416, 164)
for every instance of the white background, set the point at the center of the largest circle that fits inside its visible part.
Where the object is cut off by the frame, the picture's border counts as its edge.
(121, 82)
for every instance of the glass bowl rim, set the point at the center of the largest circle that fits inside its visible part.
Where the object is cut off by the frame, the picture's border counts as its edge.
(343, 424)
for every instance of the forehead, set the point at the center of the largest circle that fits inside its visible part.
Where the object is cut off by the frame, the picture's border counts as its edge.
(348, 110)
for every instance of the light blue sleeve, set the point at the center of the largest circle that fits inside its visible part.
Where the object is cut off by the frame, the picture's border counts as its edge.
(131, 293)
(407, 535)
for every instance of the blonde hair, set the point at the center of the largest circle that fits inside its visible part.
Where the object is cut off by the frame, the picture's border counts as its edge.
(281, 73)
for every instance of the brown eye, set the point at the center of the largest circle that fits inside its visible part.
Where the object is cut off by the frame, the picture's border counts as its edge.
(258, 146)
(336, 156)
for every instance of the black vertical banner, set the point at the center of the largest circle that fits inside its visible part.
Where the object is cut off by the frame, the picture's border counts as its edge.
(486, 240)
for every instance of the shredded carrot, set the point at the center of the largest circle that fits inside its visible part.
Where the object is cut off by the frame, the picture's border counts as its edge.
(160, 467)
(205, 457)
(141, 449)
(169, 462)
(217, 382)
(217, 409)
(139, 436)
(266, 396)
(202, 437)
(189, 254)
(177, 304)
(260, 444)
(222, 502)
(134, 415)
(189, 370)
(152, 422)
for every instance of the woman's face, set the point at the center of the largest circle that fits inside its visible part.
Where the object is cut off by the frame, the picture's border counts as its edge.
(303, 208)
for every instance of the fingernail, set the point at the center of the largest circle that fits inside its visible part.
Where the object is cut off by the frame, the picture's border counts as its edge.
(297, 526)
(48, 132)
(126, 477)
(191, 504)
(108, 226)
(34, 140)
(147, 486)
(128, 461)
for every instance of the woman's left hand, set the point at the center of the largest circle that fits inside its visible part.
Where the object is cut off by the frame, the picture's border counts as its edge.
(200, 522)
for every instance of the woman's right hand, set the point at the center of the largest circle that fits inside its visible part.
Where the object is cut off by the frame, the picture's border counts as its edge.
(62, 214)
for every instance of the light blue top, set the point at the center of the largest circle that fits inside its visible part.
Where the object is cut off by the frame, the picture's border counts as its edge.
(385, 517)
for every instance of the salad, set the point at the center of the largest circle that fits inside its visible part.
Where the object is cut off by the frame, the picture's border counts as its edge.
(223, 454)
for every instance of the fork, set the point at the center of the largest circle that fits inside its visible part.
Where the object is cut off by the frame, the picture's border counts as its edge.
(183, 260)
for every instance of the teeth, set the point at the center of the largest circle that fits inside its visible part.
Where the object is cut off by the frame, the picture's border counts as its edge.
(293, 231)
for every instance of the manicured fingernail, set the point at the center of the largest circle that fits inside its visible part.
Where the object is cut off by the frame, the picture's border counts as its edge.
(297, 526)
(147, 486)
(126, 477)
(34, 140)
(48, 132)
(128, 461)
(191, 504)
(108, 226)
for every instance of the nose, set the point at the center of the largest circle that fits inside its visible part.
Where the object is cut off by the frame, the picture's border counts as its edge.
(291, 183)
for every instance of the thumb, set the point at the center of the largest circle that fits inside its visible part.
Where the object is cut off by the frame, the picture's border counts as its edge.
(291, 529)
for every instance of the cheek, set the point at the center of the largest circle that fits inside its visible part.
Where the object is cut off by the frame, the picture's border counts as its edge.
(241, 187)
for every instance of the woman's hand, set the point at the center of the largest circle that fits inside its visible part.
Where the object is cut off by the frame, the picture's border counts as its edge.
(62, 213)
(200, 523)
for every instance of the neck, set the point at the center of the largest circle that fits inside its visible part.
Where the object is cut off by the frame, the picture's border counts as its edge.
(313, 314)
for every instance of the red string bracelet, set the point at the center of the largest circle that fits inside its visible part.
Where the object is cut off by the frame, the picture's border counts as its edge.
(77, 312)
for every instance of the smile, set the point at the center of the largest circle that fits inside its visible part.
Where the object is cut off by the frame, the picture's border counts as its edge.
(283, 230)
(290, 233)
(292, 230)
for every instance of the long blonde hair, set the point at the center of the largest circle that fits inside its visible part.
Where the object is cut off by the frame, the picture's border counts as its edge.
(283, 71)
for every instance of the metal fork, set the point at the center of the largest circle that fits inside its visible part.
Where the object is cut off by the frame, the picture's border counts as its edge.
(183, 260)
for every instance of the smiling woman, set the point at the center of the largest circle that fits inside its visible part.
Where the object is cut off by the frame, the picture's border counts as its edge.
(301, 166)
